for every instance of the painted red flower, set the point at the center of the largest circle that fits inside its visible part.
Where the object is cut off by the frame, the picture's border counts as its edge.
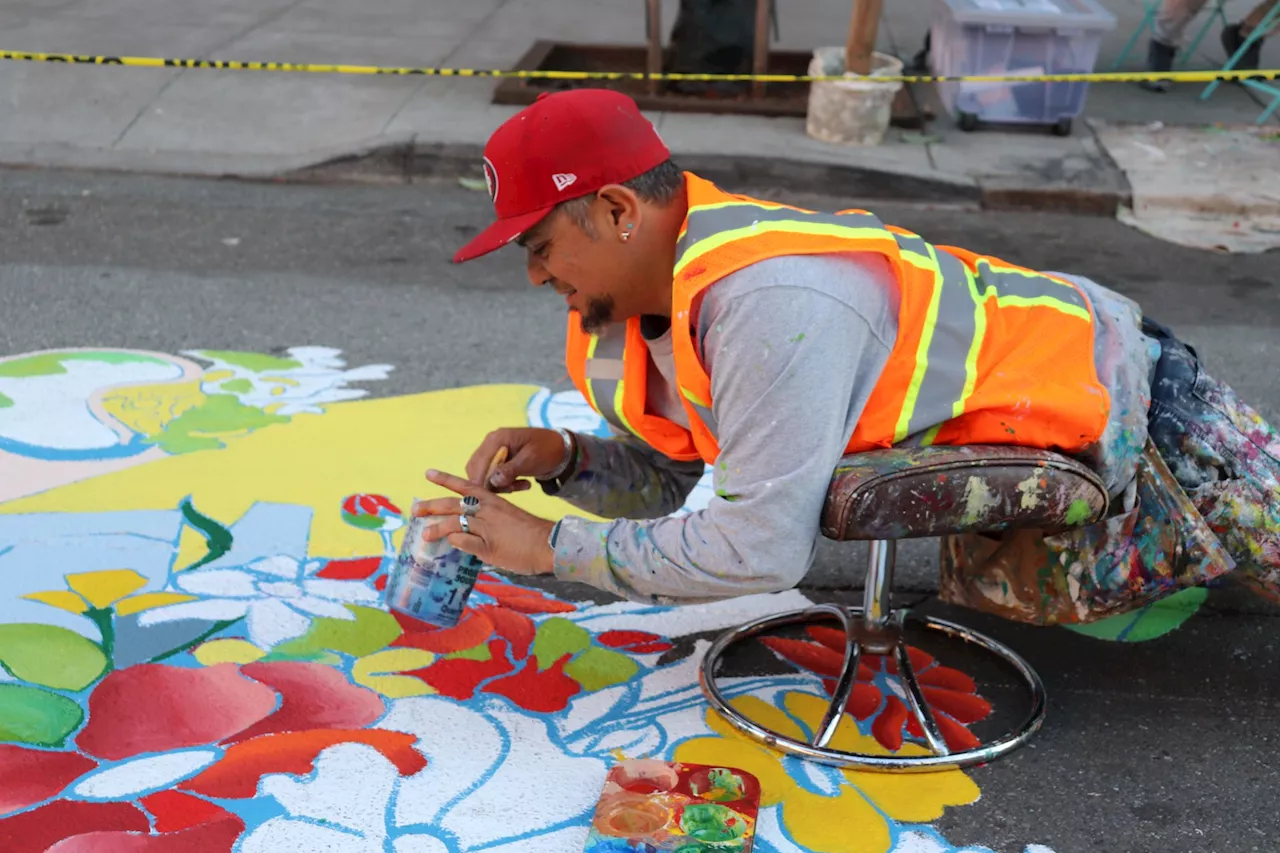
(951, 694)
(494, 647)
(636, 642)
(197, 734)
(371, 512)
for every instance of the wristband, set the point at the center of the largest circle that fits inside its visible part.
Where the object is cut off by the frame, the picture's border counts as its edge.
(567, 462)
(552, 482)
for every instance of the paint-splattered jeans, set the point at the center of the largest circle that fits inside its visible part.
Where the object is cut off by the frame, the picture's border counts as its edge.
(1223, 455)
(1206, 503)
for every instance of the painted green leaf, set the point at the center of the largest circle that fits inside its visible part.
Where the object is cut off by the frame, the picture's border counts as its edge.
(198, 428)
(556, 638)
(480, 653)
(217, 538)
(50, 656)
(32, 715)
(1147, 623)
(257, 362)
(5, 402)
(368, 522)
(372, 630)
(598, 668)
(237, 386)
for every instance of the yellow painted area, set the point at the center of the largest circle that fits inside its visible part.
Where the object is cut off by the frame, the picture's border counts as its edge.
(379, 446)
(147, 409)
(61, 599)
(373, 671)
(228, 651)
(105, 588)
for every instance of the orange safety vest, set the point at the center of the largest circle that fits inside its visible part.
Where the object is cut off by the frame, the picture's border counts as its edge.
(987, 352)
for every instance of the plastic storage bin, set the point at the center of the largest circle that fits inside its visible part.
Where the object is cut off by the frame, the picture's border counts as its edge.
(1032, 37)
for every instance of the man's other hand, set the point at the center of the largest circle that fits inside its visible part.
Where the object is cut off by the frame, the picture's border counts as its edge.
(531, 452)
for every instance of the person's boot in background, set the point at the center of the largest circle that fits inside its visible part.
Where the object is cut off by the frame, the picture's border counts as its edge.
(1160, 58)
(1233, 37)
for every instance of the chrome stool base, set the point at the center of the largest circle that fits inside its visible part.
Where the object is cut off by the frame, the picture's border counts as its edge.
(874, 629)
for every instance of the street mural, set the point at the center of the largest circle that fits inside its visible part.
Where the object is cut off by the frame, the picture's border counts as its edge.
(195, 655)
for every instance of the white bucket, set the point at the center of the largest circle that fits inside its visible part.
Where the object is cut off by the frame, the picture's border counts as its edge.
(853, 111)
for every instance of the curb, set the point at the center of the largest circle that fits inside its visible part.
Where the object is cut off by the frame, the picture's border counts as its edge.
(1105, 192)
(1003, 194)
(418, 160)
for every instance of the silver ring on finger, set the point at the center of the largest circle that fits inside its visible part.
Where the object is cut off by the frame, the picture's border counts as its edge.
(466, 523)
(470, 505)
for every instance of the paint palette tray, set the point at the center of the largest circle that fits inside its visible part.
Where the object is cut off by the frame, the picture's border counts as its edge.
(652, 806)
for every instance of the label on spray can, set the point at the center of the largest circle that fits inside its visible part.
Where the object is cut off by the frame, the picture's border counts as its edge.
(431, 581)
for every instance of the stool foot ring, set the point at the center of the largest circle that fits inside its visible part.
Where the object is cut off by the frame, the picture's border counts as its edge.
(851, 619)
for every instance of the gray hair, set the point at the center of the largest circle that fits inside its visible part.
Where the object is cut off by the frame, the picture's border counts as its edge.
(657, 186)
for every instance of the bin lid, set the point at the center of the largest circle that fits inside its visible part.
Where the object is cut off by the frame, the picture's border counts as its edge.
(1058, 14)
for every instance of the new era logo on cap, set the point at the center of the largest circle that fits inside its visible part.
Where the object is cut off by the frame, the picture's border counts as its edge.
(583, 139)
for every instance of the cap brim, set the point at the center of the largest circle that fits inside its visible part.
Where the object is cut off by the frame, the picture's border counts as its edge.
(499, 234)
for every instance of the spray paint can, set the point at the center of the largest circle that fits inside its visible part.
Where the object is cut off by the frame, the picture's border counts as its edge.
(431, 581)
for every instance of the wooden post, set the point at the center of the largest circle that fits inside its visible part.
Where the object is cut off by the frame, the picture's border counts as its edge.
(862, 36)
(654, 22)
(760, 54)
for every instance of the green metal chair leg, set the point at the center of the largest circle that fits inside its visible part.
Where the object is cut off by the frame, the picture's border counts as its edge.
(1151, 6)
(1218, 12)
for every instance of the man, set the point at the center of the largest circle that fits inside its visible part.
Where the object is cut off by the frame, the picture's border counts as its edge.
(1171, 23)
(769, 342)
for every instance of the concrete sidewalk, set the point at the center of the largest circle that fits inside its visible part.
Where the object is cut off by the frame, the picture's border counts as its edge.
(255, 124)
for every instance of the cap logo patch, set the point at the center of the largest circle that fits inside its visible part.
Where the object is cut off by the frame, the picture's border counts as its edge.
(491, 179)
(563, 180)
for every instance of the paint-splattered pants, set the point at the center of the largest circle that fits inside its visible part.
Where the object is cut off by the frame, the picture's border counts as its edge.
(1206, 496)
(1223, 455)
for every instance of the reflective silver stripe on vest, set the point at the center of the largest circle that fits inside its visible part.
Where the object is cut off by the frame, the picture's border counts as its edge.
(946, 357)
(914, 250)
(704, 414)
(612, 369)
(1029, 286)
(708, 222)
(603, 372)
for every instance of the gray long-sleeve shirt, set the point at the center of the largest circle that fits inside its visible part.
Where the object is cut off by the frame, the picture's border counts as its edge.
(794, 347)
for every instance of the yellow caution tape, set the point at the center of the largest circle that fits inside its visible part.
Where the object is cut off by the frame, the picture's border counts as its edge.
(314, 68)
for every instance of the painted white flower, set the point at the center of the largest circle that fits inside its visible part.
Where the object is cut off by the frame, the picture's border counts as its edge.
(277, 595)
(479, 764)
(300, 382)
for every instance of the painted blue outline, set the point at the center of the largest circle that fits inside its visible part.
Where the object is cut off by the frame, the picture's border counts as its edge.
(136, 445)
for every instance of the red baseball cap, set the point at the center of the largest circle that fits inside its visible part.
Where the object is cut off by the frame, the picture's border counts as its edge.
(563, 146)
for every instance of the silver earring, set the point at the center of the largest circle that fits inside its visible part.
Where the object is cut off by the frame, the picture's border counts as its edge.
(625, 235)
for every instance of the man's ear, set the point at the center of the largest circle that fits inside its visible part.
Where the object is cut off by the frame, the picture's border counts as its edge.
(622, 207)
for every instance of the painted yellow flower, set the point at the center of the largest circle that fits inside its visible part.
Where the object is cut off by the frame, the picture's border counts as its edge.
(850, 818)
(380, 671)
(109, 589)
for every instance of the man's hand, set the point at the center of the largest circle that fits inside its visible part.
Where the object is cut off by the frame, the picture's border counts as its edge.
(502, 535)
(531, 453)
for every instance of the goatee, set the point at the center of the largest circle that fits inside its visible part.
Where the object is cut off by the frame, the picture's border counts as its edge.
(598, 315)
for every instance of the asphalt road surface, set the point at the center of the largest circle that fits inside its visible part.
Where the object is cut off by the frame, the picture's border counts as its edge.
(1162, 746)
